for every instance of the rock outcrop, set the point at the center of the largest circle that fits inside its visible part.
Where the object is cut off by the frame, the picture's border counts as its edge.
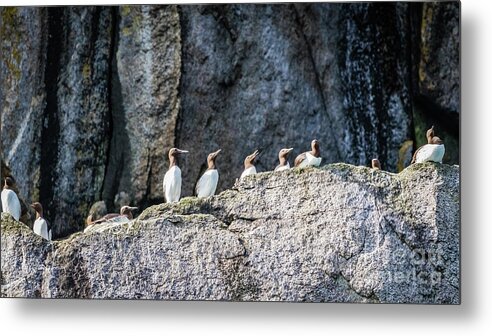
(92, 98)
(337, 234)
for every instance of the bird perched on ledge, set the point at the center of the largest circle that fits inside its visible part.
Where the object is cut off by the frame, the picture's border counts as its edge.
(433, 151)
(125, 215)
(375, 164)
(207, 183)
(172, 179)
(41, 226)
(311, 158)
(10, 201)
(249, 167)
(283, 158)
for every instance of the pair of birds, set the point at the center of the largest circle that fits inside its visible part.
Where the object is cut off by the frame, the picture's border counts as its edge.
(124, 216)
(432, 151)
(207, 184)
(11, 204)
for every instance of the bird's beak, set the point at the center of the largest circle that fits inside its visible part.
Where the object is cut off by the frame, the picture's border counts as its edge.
(181, 151)
(255, 154)
(217, 152)
(32, 206)
(290, 150)
(133, 208)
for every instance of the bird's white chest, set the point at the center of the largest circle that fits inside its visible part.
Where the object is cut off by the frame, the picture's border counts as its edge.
(172, 184)
(40, 227)
(248, 171)
(430, 152)
(310, 160)
(285, 167)
(10, 203)
(208, 183)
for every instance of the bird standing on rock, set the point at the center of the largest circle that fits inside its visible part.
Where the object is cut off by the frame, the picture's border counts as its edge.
(40, 226)
(375, 164)
(283, 157)
(433, 151)
(172, 179)
(124, 216)
(10, 201)
(207, 184)
(249, 167)
(311, 158)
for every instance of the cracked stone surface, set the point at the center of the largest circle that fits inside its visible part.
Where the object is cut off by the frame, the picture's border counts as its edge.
(93, 97)
(340, 233)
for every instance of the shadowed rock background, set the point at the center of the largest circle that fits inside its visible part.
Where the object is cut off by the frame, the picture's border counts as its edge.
(92, 98)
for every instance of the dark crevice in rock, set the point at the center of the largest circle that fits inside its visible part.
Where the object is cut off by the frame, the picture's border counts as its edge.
(179, 88)
(413, 60)
(447, 119)
(111, 73)
(318, 80)
(120, 143)
(50, 131)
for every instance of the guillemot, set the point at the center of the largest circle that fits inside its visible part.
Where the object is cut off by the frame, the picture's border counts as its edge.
(10, 201)
(124, 216)
(283, 158)
(433, 151)
(375, 164)
(311, 158)
(249, 167)
(41, 225)
(207, 183)
(172, 178)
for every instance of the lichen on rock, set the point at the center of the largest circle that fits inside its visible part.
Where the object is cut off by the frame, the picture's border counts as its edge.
(340, 233)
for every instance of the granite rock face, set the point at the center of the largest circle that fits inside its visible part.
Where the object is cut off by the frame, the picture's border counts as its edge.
(92, 98)
(337, 234)
(274, 76)
(439, 68)
(144, 100)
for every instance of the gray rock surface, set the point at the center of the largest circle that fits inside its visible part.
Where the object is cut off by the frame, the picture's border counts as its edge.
(439, 68)
(92, 98)
(23, 32)
(144, 101)
(268, 77)
(337, 234)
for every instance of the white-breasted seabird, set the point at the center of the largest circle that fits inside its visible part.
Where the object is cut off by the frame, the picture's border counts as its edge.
(433, 151)
(10, 201)
(311, 158)
(40, 226)
(124, 216)
(283, 158)
(249, 167)
(172, 178)
(375, 164)
(207, 183)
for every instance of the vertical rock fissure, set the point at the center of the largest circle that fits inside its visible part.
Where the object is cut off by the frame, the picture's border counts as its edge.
(50, 130)
(112, 52)
(412, 62)
(179, 89)
(317, 77)
(119, 138)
